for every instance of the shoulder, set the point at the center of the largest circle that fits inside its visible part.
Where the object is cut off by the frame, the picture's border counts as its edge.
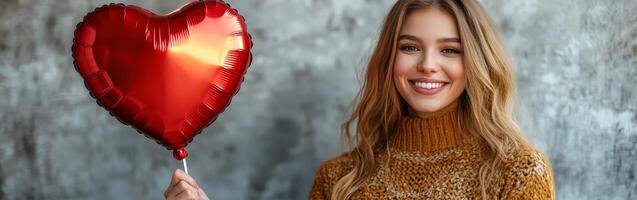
(527, 173)
(329, 173)
(526, 161)
(335, 167)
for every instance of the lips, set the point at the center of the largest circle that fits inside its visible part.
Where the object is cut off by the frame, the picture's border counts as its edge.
(427, 86)
(427, 80)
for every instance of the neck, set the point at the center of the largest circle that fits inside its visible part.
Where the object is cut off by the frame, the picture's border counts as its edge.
(430, 132)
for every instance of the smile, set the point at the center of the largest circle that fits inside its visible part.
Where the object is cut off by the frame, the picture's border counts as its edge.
(428, 85)
(427, 88)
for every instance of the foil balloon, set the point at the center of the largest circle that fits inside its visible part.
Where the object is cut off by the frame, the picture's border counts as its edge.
(168, 76)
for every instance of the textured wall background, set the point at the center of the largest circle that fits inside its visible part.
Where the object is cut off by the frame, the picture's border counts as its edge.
(576, 63)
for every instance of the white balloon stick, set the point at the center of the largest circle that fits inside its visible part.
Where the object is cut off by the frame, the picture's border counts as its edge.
(185, 165)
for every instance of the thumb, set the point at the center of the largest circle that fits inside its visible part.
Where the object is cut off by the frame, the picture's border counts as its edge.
(180, 175)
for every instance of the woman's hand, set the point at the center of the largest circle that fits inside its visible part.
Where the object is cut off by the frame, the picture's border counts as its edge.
(184, 187)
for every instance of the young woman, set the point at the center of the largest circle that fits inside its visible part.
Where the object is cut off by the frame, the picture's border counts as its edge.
(433, 119)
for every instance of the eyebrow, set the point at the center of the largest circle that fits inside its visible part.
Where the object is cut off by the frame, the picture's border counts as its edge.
(416, 39)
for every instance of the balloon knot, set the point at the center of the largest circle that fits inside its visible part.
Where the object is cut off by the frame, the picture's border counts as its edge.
(180, 154)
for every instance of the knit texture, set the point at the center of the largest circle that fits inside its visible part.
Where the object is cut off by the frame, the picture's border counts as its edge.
(430, 158)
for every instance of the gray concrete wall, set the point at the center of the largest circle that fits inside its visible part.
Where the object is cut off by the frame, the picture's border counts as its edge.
(576, 70)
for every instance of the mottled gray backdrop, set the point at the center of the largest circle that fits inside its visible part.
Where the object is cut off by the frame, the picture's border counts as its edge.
(575, 62)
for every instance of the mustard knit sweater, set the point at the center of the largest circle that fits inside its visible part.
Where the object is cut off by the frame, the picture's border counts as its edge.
(429, 158)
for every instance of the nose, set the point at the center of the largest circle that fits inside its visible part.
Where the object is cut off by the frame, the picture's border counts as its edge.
(428, 63)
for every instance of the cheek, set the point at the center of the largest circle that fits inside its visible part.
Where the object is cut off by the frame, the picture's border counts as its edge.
(404, 64)
(455, 72)
(401, 65)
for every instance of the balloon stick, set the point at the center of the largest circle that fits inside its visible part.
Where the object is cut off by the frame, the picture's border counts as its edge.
(185, 165)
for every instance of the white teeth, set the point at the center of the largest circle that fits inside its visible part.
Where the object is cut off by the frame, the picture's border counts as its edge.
(428, 85)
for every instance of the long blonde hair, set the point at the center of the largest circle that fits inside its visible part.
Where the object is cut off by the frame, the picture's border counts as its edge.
(485, 108)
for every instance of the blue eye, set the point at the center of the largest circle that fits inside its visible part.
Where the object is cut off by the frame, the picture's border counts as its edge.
(450, 51)
(409, 48)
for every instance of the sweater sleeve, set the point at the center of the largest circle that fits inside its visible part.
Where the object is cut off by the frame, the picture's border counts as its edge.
(528, 175)
(327, 175)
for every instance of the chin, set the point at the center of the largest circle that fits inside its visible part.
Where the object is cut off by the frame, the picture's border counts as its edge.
(426, 107)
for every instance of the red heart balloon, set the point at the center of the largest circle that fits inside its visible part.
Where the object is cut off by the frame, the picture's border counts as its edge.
(169, 76)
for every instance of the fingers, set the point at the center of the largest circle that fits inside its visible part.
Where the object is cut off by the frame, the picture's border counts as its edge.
(182, 190)
(183, 176)
(181, 182)
(179, 175)
(203, 195)
(188, 194)
(173, 181)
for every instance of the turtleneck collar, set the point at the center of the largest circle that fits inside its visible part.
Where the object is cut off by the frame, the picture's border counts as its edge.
(438, 130)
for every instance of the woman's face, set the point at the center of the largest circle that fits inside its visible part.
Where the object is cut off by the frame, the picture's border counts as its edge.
(428, 71)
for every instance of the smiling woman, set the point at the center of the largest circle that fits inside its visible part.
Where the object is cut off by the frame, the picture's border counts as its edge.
(433, 118)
